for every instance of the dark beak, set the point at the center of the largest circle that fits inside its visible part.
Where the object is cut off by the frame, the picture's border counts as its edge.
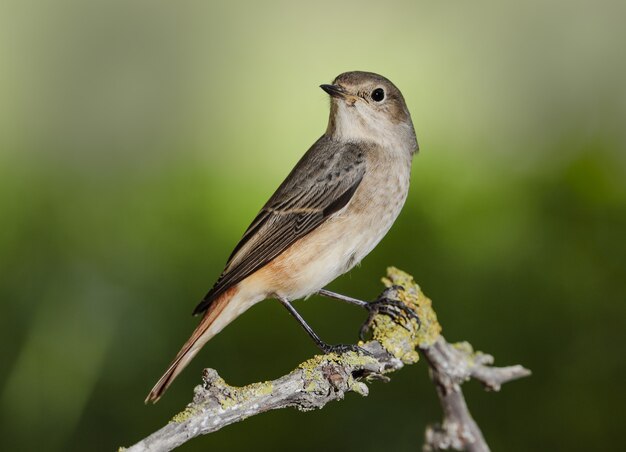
(334, 90)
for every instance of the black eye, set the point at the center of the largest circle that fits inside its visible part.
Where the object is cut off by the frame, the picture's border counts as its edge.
(378, 94)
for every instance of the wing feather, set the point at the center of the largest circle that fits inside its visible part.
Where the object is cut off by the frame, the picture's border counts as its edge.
(321, 184)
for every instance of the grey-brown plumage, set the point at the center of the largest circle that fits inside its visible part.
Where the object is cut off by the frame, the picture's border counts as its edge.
(322, 183)
(332, 209)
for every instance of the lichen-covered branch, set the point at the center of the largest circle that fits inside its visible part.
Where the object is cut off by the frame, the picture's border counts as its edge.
(325, 378)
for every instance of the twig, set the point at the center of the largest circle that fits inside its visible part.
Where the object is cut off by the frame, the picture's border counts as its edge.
(325, 378)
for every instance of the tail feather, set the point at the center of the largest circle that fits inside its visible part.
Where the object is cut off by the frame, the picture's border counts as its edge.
(199, 337)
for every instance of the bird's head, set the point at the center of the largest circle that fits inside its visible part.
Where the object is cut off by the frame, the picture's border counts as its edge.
(366, 107)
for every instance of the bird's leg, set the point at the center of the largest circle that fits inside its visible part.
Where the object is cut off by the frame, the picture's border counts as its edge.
(323, 346)
(338, 296)
(384, 304)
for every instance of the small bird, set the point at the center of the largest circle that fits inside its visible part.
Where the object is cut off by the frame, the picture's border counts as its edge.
(332, 209)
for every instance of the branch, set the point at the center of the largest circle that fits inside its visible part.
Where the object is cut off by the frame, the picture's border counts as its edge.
(450, 366)
(325, 378)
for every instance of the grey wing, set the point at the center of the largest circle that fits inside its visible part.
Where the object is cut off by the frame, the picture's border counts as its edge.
(321, 184)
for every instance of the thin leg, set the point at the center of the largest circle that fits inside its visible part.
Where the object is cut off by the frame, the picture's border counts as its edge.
(395, 309)
(338, 296)
(323, 346)
(319, 342)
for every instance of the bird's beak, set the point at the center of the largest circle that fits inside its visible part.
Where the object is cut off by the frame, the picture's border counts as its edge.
(335, 91)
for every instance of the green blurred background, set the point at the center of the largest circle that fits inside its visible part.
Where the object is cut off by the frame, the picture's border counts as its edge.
(139, 138)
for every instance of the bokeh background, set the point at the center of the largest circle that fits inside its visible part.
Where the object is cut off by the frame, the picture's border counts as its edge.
(139, 138)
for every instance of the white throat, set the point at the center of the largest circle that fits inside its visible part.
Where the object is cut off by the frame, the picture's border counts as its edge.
(357, 123)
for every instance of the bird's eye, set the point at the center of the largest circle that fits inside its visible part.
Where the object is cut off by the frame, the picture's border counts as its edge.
(378, 94)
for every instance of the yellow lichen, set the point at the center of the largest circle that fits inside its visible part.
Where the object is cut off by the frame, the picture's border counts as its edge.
(315, 379)
(394, 338)
(413, 297)
(470, 355)
(465, 347)
(185, 414)
(402, 340)
(230, 396)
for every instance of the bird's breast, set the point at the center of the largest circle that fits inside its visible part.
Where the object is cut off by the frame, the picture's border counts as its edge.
(346, 238)
(376, 203)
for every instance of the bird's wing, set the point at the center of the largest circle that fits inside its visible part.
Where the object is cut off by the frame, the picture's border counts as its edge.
(321, 184)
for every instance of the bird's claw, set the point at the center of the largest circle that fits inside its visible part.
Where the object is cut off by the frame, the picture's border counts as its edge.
(340, 349)
(397, 310)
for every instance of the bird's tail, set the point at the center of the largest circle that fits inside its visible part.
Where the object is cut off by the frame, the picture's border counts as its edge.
(219, 314)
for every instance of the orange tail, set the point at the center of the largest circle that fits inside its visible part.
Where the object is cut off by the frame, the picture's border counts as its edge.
(199, 337)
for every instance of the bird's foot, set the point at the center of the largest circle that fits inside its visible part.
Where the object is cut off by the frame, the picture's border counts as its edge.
(397, 310)
(340, 349)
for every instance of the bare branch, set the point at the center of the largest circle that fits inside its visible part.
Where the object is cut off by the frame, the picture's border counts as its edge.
(450, 366)
(325, 378)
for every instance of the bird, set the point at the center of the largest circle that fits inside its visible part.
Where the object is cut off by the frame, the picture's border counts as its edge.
(334, 207)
